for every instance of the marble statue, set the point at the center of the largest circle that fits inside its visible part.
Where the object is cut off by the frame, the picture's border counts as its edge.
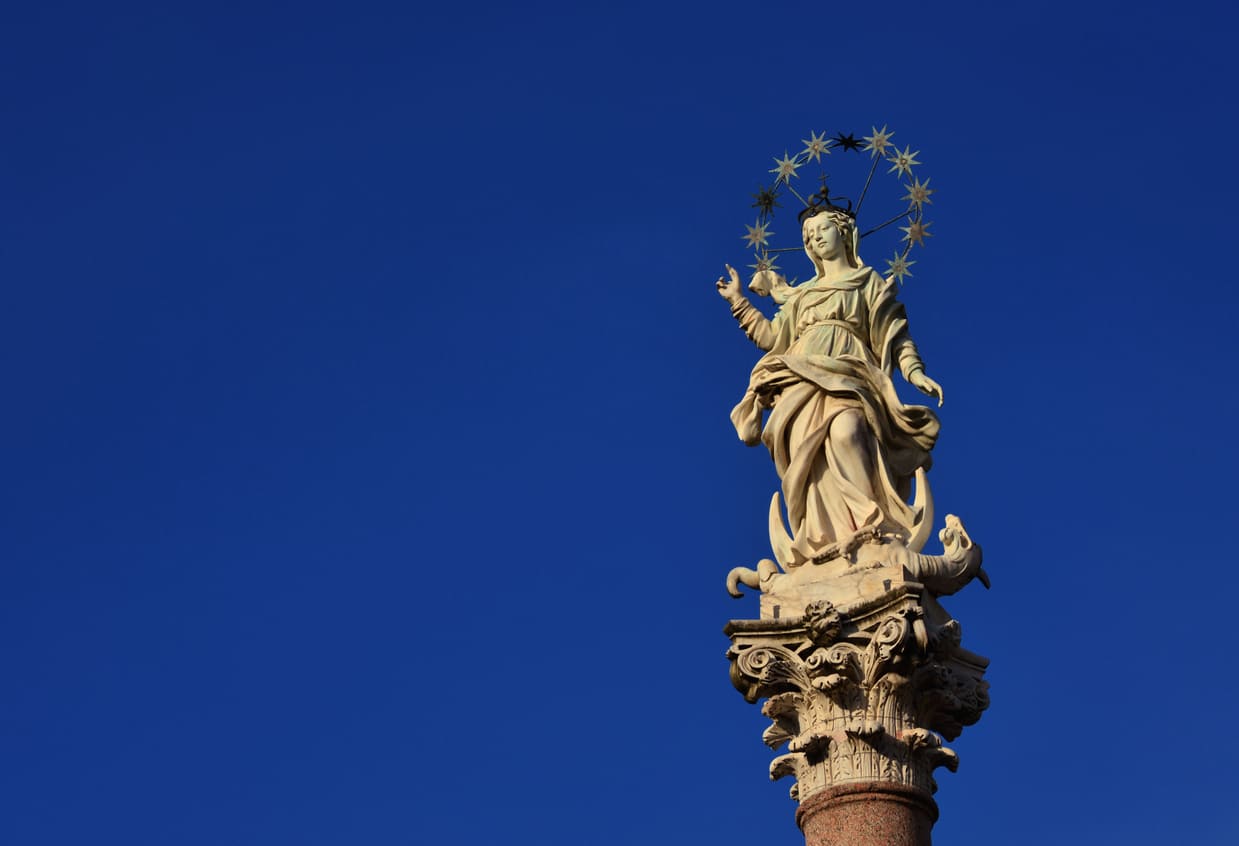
(846, 448)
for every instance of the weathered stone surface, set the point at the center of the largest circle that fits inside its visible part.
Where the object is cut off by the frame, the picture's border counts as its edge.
(865, 694)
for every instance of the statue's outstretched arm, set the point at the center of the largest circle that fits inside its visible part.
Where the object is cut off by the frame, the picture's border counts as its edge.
(752, 321)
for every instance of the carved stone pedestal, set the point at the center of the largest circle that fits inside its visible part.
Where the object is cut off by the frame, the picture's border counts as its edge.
(862, 696)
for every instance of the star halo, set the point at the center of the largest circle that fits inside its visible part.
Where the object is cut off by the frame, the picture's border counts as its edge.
(908, 211)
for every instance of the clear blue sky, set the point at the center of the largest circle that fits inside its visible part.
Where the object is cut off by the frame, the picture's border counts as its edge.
(367, 469)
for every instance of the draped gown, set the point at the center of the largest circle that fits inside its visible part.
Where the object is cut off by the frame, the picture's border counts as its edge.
(833, 346)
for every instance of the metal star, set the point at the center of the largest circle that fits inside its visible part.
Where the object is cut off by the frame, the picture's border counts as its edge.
(898, 267)
(757, 236)
(879, 140)
(765, 261)
(786, 168)
(918, 193)
(902, 162)
(847, 142)
(815, 147)
(916, 233)
(766, 201)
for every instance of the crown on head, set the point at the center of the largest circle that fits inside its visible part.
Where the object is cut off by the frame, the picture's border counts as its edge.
(823, 202)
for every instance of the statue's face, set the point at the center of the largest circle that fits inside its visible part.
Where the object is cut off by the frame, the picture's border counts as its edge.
(822, 237)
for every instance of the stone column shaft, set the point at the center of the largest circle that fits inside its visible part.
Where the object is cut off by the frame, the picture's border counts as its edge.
(868, 813)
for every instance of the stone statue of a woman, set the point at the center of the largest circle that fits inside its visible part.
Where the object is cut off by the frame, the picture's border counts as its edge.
(845, 447)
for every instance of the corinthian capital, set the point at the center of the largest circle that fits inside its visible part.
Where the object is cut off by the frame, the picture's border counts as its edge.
(859, 696)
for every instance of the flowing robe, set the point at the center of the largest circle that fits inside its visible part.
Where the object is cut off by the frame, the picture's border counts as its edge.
(832, 347)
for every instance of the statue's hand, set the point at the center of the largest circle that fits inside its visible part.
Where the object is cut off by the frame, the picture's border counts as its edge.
(926, 385)
(729, 289)
(763, 282)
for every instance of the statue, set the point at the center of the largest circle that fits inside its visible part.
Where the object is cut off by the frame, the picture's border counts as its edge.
(862, 670)
(847, 450)
(845, 447)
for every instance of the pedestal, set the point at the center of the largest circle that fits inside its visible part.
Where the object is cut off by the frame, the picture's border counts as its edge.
(862, 696)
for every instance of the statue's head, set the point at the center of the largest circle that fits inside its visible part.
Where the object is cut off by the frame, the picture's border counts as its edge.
(827, 231)
(818, 218)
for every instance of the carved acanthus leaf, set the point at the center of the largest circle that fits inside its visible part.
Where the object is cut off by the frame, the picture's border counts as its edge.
(785, 765)
(929, 745)
(774, 667)
(810, 743)
(784, 710)
(846, 661)
(948, 700)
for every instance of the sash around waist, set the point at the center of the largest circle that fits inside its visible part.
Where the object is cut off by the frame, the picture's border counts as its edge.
(842, 324)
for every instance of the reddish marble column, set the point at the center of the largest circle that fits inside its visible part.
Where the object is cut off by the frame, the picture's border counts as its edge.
(870, 813)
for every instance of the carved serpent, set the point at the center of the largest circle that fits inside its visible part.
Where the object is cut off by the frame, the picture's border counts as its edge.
(958, 565)
(766, 570)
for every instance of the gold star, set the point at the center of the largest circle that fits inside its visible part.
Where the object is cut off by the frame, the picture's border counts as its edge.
(916, 233)
(757, 235)
(879, 140)
(918, 193)
(898, 267)
(765, 261)
(903, 162)
(786, 167)
(815, 147)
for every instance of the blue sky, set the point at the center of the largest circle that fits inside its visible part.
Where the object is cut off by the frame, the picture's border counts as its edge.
(368, 475)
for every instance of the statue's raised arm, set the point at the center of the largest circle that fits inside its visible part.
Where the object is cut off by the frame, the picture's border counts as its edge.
(760, 330)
